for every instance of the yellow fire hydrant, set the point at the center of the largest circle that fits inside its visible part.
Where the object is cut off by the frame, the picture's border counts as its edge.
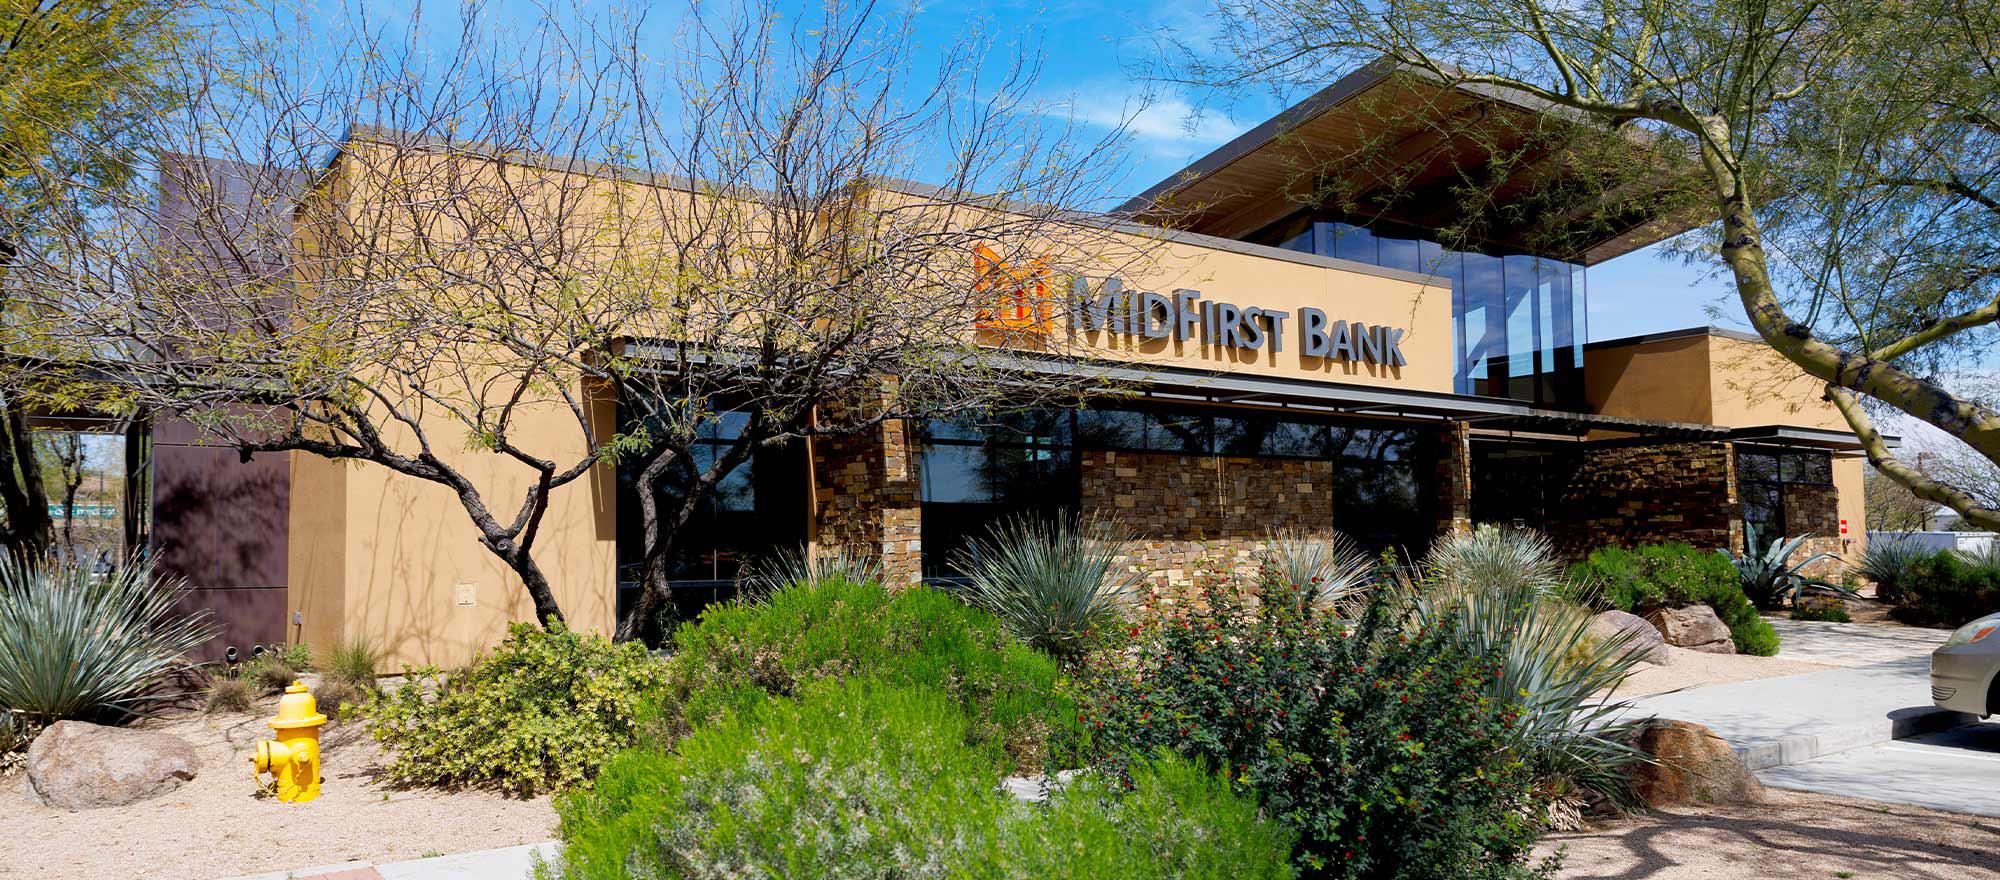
(293, 758)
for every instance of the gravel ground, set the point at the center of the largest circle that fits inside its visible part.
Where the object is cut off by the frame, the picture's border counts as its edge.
(1791, 835)
(213, 827)
(1694, 669)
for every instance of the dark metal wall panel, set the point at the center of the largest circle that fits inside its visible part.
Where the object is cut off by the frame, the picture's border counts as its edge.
(222, 524)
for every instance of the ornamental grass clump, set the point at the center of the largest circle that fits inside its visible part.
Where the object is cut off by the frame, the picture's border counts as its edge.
(739, 652)
(1054, 582)
(863, 779)
(1887, 563)
(1378, 741)
(540, 714)
(77, 646)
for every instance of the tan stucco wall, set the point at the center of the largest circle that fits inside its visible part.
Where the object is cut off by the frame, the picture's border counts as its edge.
(1847, 476)
(1705, 379)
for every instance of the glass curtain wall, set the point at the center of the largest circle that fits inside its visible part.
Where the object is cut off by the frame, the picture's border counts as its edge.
(1520, 320)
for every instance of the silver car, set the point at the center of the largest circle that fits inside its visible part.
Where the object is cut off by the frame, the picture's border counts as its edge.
(1964, 670)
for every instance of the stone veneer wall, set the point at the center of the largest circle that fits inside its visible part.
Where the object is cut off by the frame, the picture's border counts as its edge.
(1815, 510)
(1191, 509)
(869, 498)
(1454, 478)
(1630, 495)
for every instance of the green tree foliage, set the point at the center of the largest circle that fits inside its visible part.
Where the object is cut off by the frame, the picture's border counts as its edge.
(79, 82)
(1847, 153)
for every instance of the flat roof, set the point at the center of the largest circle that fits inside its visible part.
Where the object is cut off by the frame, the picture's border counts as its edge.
(1431, 130)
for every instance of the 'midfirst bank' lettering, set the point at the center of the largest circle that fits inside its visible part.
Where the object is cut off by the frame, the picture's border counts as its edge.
(1184, 316)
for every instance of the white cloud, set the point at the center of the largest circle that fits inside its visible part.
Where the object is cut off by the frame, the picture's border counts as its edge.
(1155, 123)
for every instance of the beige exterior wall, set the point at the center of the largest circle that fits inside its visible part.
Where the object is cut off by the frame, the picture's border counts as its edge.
(1847, 475)
(1705, 378)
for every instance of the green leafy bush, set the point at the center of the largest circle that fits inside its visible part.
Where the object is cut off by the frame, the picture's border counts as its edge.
(1054, 582)
(866, 780)
(836, 628)
(1675, 575)
(1380, 743)
(541, 713)
(1944, 589)
(73, 645)
(1813, 609)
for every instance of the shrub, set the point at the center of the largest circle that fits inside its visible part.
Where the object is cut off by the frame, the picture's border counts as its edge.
(835, 628)
(1942, 589)
(230, 694)
(1503, 595)
(1379, 744)
(269, 674)
(1674, 575)
(1829, 608)
(73, 645)
(335, 695)
(863, 779)
(1054, 582)
(541, 713)
(811, 565)
(352, 661)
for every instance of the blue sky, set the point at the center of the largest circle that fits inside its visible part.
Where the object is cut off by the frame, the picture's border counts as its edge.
(1097, 54)
(1096, 59)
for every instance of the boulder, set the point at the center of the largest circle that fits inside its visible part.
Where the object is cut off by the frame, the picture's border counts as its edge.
(1693, 766)
(1695, 627)
(76, 766)
(1644, 639)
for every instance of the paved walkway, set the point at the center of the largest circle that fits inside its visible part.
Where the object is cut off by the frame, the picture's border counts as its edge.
(1853, 644)
(1956, 770)
(511, 863)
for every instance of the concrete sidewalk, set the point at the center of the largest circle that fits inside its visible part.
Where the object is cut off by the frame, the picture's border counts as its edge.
(511, 863)
(1778, 721)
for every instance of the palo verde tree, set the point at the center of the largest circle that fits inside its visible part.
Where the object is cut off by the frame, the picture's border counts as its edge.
(78, 80)
(1844, 152)
(500, 272)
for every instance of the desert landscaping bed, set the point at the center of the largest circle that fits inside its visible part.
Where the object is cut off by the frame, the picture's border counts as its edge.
(213, 826)
(1787, 835)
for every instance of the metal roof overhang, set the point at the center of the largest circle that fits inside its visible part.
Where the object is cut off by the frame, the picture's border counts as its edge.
(1433, 133)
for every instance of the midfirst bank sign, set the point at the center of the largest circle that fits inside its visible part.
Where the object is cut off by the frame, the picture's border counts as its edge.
(1021, 302)
(1184, 315)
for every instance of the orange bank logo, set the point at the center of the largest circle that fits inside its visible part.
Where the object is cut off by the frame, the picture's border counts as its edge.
(1012, 299)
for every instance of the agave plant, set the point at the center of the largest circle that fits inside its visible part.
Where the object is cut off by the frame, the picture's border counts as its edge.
(73, 645)
(1771, 580)
(1985, 555)
(1528, 615)
(1054, 582)
(809, 565)
(1887, 560)
(1328, 569)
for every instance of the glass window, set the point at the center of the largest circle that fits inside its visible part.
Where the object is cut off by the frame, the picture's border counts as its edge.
(1111, 429)
(1354, 243)
(1761, 478)
(976, 472)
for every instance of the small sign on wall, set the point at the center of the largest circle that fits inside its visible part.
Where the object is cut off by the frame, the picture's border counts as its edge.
(1843, 526)
(465, 595)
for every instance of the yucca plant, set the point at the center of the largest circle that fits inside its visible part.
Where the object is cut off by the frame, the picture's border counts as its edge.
(1502, 593)
(1494, 557)
(77, 646)
(810, 565)
(1987, 555)
(1054, 581)
(1887, 560)
(1326, 568)
(1771, 579)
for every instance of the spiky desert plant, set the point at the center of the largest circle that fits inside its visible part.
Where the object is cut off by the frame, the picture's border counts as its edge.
(77, 646)
(1054, 581)
(1886, 561)
(814, 565)
(1987, 554)
(1327, 568)
(1503, 594)
(1771, 578)
(1495, 557)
